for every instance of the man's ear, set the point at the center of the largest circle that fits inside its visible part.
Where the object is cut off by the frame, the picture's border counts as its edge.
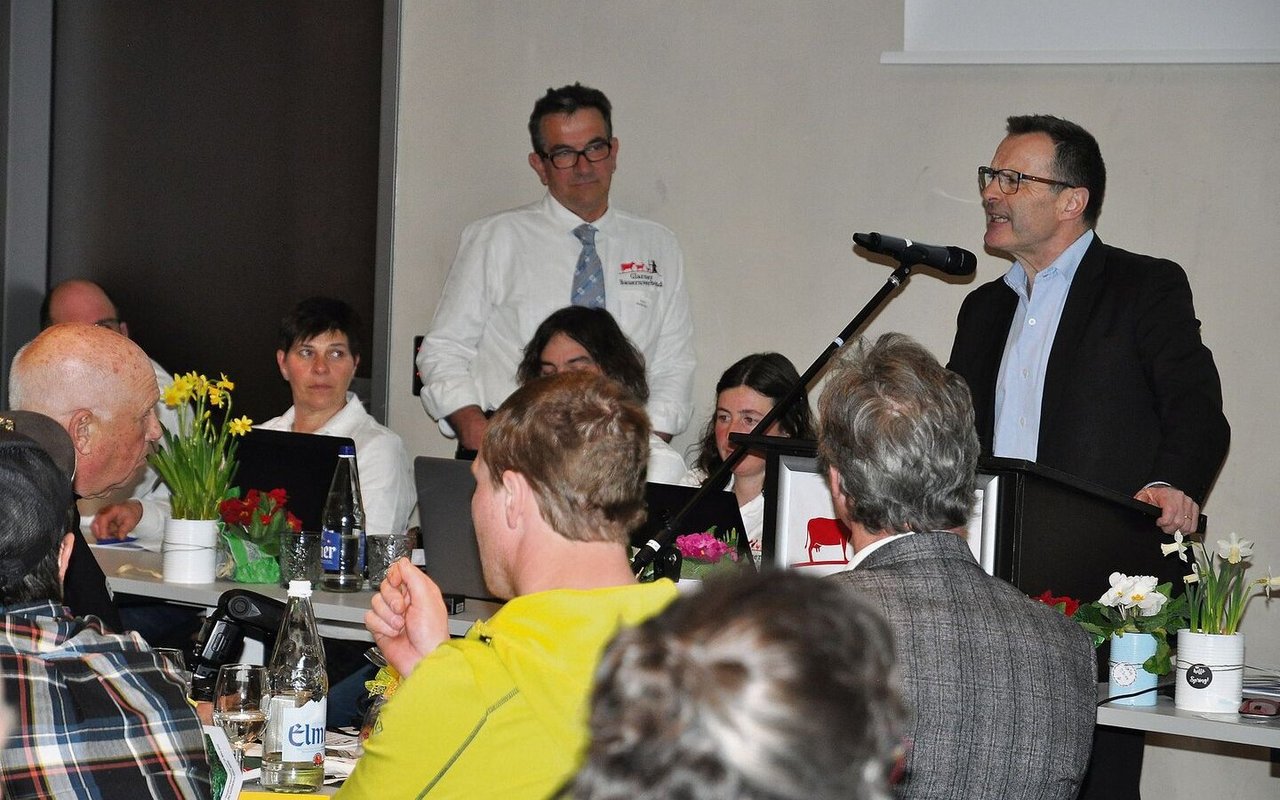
(81, 427)
(1074, 201)
(539, 166)
(64, 555)
(280, 354)
(516, 492)
(838, 498)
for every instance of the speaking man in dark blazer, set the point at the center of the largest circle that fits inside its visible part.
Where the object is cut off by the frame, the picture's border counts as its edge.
(1085, 357)
(1001, 687)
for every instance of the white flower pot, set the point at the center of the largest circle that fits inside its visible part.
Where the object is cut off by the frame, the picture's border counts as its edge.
(1126, 675)
(1210, 672)
(190, 550)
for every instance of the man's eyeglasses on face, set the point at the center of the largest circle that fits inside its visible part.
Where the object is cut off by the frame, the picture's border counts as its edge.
(567, 158)
(1010, 180)
(110, 323)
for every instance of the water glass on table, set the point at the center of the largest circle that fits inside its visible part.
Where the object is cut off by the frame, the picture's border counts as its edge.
(299, 557)
(238, 698)
(177, 661)
(381, 550)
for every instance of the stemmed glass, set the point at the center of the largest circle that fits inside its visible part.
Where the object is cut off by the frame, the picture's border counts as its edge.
(177, 662)
(237, 705)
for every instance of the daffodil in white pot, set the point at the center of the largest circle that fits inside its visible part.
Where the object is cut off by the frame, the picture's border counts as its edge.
(1210, 657)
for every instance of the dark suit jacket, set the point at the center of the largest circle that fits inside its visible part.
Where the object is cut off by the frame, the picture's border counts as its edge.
(1131, 394)
(1002, 687)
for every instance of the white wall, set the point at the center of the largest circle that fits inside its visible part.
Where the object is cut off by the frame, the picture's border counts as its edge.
(766, 133)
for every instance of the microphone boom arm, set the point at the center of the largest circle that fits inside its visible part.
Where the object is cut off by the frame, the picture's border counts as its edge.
(667, 536)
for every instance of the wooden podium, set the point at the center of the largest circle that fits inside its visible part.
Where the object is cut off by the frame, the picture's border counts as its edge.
(1036, 527)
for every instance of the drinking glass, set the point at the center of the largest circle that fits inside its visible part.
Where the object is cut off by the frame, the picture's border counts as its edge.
(177, 662)
(238, 696)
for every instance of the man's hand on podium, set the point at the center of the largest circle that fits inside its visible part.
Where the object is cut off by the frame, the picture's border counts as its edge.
(1178, 512)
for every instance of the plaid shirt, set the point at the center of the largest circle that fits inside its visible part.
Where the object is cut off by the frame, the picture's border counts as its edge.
(97, 716)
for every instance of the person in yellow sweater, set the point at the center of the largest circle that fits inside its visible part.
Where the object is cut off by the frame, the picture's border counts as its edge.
(502, 712)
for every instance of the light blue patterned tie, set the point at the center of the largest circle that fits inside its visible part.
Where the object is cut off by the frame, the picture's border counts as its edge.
(588, 276)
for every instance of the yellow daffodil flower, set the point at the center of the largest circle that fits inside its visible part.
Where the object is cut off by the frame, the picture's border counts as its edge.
(240, 426)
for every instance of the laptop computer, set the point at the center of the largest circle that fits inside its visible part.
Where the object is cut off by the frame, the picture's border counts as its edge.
(300, 463)
(715, 509)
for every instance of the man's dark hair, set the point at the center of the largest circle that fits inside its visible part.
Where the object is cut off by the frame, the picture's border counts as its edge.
(567, 100)
(1077, 158)
(34, 497)
(317, 315)
(598, 333)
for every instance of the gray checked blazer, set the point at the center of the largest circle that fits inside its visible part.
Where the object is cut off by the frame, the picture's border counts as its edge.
(1002, 688)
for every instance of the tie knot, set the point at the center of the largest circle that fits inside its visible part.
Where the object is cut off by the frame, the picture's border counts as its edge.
(585, 233)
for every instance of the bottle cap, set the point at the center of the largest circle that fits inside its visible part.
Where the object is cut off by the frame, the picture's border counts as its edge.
(299, 588)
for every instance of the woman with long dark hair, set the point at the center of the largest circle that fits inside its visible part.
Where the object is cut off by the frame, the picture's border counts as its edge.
(581, 338)
(745, 393)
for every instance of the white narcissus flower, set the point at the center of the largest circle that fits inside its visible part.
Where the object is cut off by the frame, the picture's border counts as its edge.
(1177, 546)
(1268, 583)
(1234, 549)
(1194, 577)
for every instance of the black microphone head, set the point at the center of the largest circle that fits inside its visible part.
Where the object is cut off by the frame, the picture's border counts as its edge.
(961, 262)
(871, 241)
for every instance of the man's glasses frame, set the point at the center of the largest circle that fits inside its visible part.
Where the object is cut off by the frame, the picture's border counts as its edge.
(1011, 180)
(567, 158)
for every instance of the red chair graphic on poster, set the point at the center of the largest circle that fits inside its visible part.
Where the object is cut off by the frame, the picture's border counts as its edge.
(826, 534)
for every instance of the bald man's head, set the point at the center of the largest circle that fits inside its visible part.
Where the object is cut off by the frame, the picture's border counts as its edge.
(100, 387)
(81, 301)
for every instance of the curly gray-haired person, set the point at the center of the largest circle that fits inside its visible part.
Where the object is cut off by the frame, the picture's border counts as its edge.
(763, 687)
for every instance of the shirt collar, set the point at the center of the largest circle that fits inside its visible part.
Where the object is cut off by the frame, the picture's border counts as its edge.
(1066, 264)
(565, 218)
(862, 554)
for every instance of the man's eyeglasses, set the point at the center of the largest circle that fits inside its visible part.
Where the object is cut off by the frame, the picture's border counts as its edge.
(566, 158)
(1010, 180)
(110, 323)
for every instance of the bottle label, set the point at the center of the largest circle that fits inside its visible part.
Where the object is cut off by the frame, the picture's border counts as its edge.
(342, 552)
(301, 732)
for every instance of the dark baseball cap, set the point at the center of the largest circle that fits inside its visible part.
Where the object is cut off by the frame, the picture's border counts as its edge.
(44, 431)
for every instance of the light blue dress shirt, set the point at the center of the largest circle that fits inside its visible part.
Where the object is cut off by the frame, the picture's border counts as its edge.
(1020, 384)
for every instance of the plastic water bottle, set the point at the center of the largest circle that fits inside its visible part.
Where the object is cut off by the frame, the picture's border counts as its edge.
(293, 745)
(342, 528)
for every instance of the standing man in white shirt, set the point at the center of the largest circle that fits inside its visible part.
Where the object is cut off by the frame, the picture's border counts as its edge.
(514, 268)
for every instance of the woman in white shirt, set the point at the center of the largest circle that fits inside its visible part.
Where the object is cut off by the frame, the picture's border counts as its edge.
(580, 338)
(319, 350)
(745, 393)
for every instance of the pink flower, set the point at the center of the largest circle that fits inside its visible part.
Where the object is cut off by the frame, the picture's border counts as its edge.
(704, 547)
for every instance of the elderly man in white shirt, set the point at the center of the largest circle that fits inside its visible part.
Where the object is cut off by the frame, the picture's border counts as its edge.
(514, 268)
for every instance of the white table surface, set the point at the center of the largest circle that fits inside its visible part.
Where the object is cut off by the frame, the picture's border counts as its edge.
(339, 615)
(1164, 718)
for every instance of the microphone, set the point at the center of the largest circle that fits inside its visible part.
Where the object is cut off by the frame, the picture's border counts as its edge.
(951, 260)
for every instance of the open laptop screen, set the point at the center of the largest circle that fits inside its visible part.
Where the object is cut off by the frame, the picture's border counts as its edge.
(300, 463)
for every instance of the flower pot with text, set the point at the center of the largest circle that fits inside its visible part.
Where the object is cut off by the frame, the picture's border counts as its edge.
(1126, 675)
(1210, 672)
(190, 550)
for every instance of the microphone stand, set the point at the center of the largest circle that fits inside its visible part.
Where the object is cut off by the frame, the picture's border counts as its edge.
(663, 541)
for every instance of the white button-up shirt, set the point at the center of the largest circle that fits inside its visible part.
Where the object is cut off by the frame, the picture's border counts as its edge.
(514, 268)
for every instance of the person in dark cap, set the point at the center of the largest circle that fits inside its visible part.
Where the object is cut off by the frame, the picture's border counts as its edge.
(108, 717)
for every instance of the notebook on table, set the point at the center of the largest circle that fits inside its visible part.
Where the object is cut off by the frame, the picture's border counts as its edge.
(300, 463)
